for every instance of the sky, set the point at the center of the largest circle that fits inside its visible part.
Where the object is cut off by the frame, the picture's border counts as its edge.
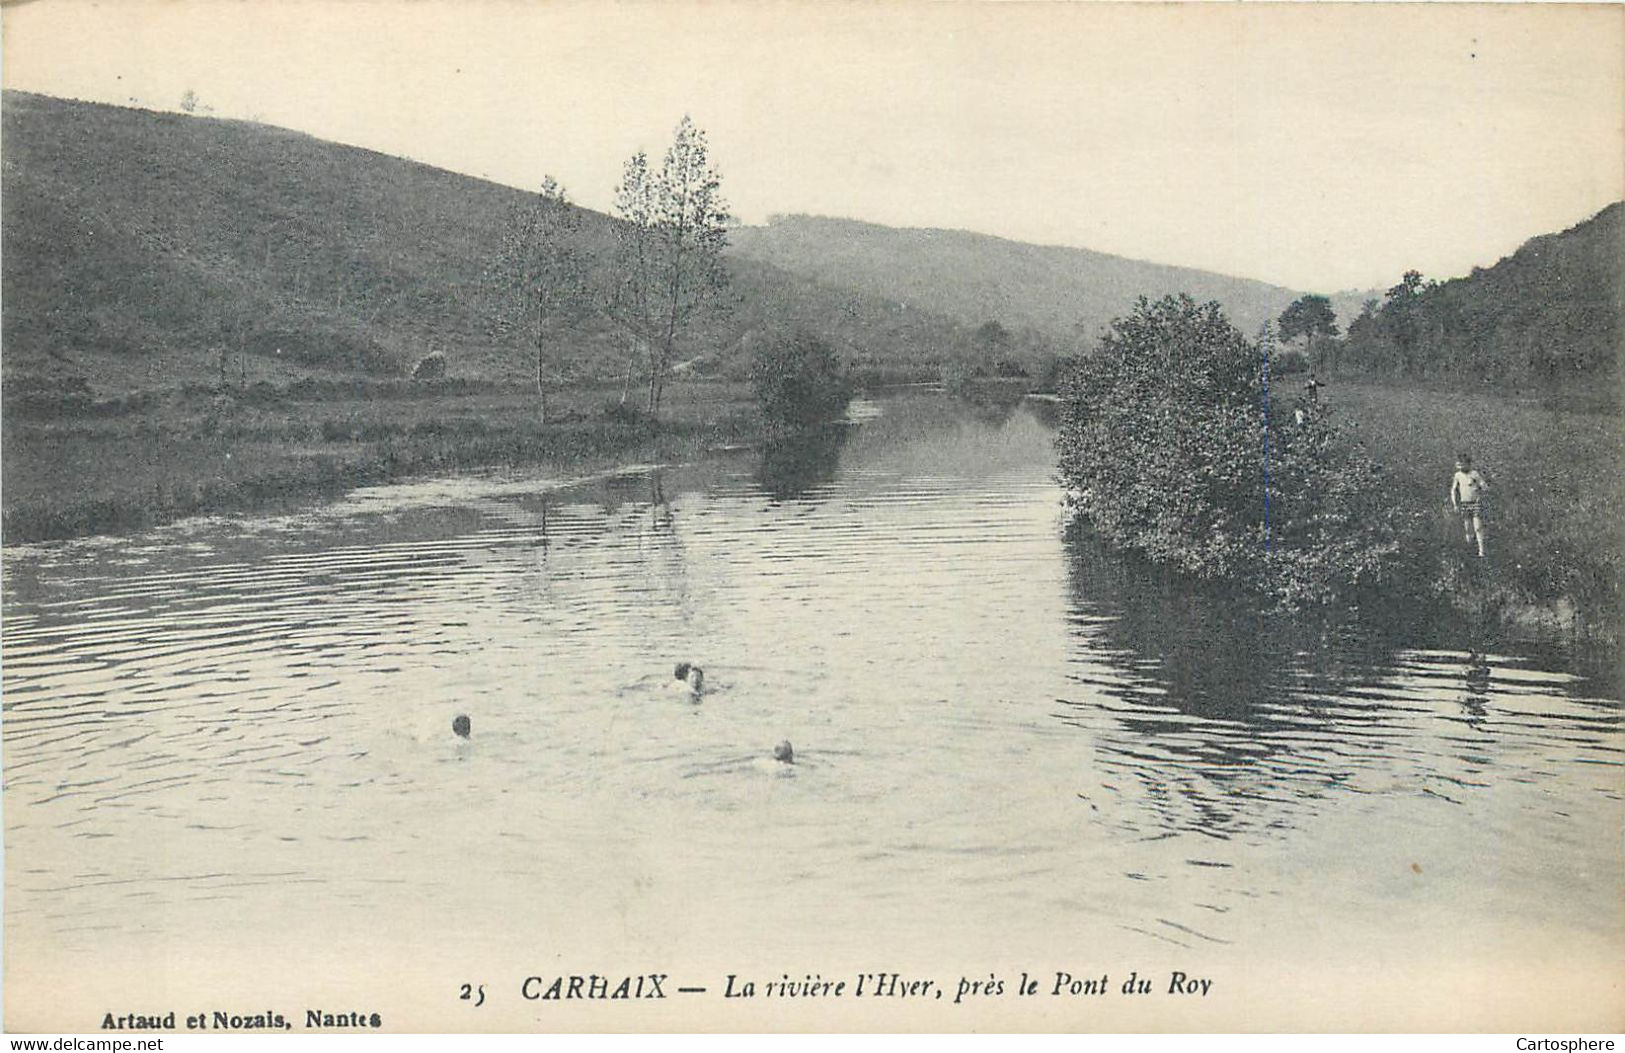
(1321, 147)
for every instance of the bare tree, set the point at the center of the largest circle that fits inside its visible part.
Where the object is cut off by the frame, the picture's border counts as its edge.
(631, 296)
(540, 275)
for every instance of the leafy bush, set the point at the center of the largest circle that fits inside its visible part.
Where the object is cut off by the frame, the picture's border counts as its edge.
(1163, 447)
(431, 366)
(798, 381)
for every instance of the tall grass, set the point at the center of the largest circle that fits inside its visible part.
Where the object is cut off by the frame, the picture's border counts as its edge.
(1555, 515)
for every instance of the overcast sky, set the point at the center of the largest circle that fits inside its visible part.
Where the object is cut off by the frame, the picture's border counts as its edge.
(1322, 148)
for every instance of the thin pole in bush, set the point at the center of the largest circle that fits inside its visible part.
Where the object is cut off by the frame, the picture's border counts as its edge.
(1264, 375)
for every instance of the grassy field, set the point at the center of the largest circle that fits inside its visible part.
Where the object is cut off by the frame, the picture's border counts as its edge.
(1554, 514)
(119, 465)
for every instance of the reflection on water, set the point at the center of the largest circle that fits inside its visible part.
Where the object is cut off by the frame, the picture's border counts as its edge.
(794, 464)
(1265, 737)
(1004, 737)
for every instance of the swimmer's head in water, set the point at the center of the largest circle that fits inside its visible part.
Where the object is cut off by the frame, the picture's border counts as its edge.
(783, 752)
(681, 672)
(696, 677)
(462, 726)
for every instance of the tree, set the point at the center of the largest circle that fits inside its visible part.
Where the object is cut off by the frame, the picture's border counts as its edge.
(1308, 316)
(798, 381)
(995, 351)
(1170, 446)
(992, 338)
(1365, 348)
(540, 274)
(669, 253)
(631, 298)
(1401, 319)
(1549, 313)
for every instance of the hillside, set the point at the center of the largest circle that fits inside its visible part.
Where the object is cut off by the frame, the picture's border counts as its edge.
(139, 244)
(975, 278)
(1552, 313)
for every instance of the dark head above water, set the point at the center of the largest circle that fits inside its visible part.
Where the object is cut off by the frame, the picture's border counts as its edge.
(462, 726)
(690, 674)
(783, 752)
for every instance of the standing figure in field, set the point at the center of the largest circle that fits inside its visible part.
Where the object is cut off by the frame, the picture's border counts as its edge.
(1311, 388)
(1467, 491)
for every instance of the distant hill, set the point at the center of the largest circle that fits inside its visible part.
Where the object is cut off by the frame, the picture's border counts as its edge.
(1552, 313)
(137, 244)
(975, 278)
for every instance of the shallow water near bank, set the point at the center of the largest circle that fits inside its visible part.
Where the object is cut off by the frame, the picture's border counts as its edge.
(236, 732)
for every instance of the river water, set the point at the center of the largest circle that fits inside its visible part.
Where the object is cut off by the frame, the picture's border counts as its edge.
(230, 771)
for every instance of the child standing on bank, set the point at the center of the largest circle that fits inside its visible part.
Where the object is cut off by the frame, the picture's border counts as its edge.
(1467, 490)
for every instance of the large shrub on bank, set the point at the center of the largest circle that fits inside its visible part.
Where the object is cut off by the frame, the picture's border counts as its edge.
(798, 381)
(1163, 448)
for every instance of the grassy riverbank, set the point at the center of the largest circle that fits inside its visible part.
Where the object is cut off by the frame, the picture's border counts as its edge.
(123, 464)
(1554, 515)
(1557, 553)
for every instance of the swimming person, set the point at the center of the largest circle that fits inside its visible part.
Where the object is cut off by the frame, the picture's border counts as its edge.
(783, 753)
(690, 679)
(1467, 490)
(461, 726)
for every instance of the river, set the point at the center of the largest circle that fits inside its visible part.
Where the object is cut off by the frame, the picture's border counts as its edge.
(230, 772)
